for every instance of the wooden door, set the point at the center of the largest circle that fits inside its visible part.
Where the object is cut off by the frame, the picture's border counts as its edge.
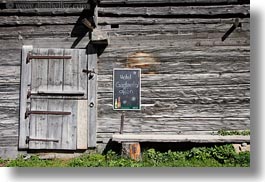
(56, 94)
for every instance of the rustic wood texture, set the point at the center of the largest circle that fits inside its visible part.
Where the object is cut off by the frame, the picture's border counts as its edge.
(170, 2)
(24, 101)
(198, 84)
(82, 124)
(192, 82)
(172, 11)
(181, 138)
(132, 150)
(92, 101)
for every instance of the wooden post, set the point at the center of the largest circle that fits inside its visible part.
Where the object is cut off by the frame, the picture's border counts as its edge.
(122, 122)
(132, 150)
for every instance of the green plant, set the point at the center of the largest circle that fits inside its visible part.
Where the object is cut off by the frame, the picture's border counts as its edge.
(223, 132)
(215, 156)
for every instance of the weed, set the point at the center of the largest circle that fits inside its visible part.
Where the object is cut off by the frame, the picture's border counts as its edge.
(216, 156)
(233, 132)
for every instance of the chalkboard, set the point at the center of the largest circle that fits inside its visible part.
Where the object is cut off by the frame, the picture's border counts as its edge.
(127, 89)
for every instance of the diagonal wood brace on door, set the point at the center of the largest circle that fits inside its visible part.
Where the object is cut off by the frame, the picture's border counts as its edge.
(30, 56)
(46, 113)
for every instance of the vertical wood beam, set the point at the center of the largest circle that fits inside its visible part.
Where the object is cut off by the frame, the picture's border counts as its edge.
(25, 82)
(92, 102)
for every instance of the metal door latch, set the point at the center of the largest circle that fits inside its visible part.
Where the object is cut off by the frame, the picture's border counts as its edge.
(28, 139)
(90, 72)
(91, 104)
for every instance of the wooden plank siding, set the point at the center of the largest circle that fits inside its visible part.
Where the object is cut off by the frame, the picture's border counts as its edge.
(198, 84)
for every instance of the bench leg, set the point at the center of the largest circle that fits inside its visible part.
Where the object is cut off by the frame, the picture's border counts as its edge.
(131, 150)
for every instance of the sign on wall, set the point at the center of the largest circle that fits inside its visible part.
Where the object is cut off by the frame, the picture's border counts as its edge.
(127, 89)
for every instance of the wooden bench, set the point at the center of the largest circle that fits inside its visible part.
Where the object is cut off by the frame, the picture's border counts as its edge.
(131, 142)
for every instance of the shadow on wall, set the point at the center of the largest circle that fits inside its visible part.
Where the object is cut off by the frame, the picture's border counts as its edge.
(85, 24)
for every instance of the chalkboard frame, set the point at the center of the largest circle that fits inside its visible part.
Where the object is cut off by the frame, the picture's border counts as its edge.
(140, 89)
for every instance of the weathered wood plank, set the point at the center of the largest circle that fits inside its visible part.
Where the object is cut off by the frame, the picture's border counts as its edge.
(42, 12)
(178, 125)
(82, 77)
(183, 63)
(72, 72)
(71, 20)
(37, 20)
(176, 80)
(25, 81)
(181, 29)
(55, 72)
(82, 124)
(180, 138)
(9, 74)
(39, 77)
(8, 128)
(10, 57)
(172, 110)
(156, 21)
(169, 2)
(54, 128)
(39, 125)
(10, 152)
(171, 11)
(92, 101)
(70, 122)
(215, 93)
(167, 50)
(62, 31)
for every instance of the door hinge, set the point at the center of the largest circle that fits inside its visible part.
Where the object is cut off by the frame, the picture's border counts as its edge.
(30, 56)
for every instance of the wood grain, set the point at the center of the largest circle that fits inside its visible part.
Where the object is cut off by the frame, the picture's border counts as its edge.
(180, 138)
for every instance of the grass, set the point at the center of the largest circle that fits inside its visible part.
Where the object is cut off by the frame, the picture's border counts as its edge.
(216, 156)
(233, 132)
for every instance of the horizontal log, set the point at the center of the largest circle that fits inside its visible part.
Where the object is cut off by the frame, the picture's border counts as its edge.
(222, 94)
(8, 152)
(173, 110)
(158, 21)
(72, 20)
(23, 32)
(180, 138)
(188, 62)
(8, 141)
(178, 125)
(9, 57)
(169, 2)
(42, 12)
(170, 11)
(27, 31)
(9, 87)
(173, 28)
(9, 74)
(176, 80)
(8, 129)
(117, 51)
(37, 20)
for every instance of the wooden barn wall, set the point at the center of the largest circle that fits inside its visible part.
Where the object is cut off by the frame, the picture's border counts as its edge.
(192, 82)
(198, 83)
(43, 28)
